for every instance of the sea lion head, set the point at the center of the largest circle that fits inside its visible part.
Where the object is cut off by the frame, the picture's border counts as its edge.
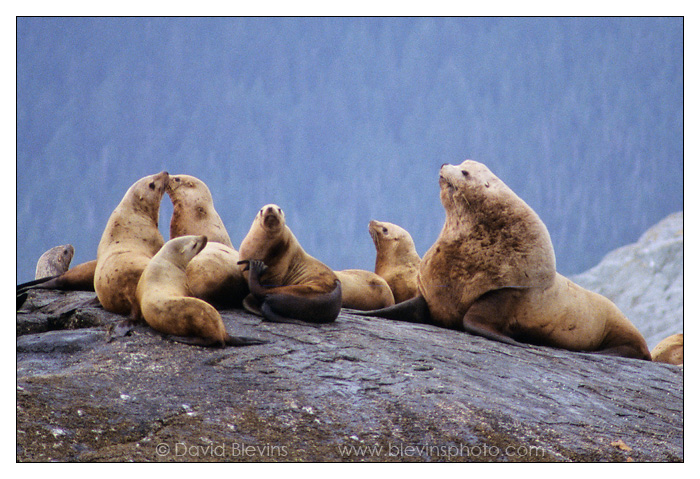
(181, 187)
(490, 230)
(391, 238)
(193, 210)
(144, 196)
(190, 197)
(469, 187)
(271, 219)
(268, 235)
(180, 251)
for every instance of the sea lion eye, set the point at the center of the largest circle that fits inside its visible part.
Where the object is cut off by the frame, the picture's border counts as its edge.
(152, 185)
(465, 173)
(384, 230)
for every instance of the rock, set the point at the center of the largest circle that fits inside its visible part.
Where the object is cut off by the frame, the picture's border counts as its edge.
(645, 280)
(359, 389)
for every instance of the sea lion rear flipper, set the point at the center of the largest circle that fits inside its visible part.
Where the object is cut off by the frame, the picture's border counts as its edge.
(236, 341)
(414, 310)
(21, 298)
(23, 287)
(273, 317)
(243, 341)
(489, 315)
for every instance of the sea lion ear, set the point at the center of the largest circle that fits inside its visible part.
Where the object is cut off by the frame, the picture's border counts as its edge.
(487, 184)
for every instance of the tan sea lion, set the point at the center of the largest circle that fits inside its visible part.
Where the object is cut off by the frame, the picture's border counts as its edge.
(364, 290)
(166, 302)
(286, 283)
(669, 350)
(214, 274)
(130, 239)
(397, 260)
(492, 272)
(54, 262)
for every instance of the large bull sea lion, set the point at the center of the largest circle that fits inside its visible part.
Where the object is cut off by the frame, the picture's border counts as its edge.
(492, 272)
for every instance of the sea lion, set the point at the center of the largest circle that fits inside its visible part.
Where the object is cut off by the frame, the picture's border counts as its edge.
(213, 275)
(54, 262)
(130, 239)
(669, 350)
(166, 302)
(193, 210)
(364, 290)
(492, 272)
(78, 278)
(397, 260)
(286, 283)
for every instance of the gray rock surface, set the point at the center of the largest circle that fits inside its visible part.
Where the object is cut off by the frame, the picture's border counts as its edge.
(360, 389)
(645, 280)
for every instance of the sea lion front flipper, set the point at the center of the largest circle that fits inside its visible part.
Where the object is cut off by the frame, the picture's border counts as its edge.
(414, 310)
(623, 351)
(489, 315)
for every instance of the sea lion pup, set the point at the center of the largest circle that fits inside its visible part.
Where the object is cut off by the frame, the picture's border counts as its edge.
(286, 283)
(492, 272)
(130, 239)
(669, 350)
(213, 275)
(54, 262)
(166, 302)
(397, 260)
(364, 290)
